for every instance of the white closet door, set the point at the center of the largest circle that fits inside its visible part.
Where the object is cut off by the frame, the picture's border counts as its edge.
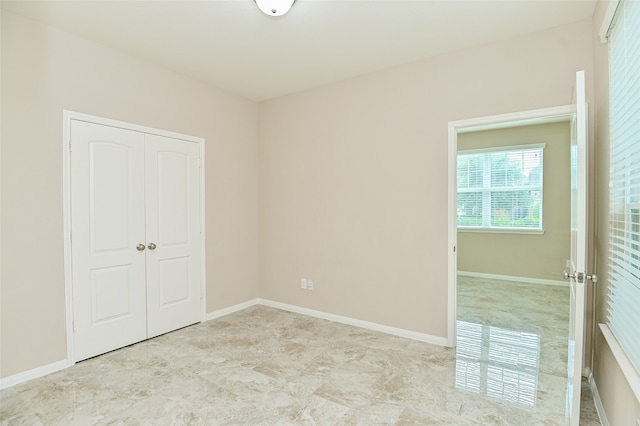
(108, 222)
(174, 254)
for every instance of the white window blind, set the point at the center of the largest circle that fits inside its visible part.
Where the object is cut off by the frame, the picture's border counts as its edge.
(500, 189)
(623, 314)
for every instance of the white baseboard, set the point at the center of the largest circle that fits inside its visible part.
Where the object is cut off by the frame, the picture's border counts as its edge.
(34, 373)
(231, 309)
(427, 338)
(596, 399)
(541, 281)
(61, 365)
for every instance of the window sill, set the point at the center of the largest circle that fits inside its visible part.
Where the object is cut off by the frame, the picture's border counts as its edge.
(629, 372)
(503, 231)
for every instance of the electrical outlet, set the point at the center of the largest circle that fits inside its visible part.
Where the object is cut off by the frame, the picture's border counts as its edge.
(303, 283)
(309, 284)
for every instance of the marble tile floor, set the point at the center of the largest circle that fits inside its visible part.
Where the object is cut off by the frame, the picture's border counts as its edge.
(534, 322)
(263, 366)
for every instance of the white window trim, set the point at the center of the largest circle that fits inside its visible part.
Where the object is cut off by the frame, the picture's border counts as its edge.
(503, 148)
(523, 231)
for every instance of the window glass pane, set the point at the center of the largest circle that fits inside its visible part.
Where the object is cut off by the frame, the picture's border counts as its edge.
(506, 169)
(470, 171)
(634, 231)
(514, 209)
(499, 168)
(532, 167)
(470, 209)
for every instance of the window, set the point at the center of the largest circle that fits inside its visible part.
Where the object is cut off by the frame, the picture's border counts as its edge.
(500, 189)
(624, 190)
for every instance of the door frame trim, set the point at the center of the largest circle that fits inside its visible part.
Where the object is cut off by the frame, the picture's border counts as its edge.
(67, 117)
(515, 119)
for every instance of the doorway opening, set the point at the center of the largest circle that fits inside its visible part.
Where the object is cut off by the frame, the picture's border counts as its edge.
(457, 128)
(507, 239)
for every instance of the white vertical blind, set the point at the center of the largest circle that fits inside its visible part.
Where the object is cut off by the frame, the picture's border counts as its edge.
(623, 314)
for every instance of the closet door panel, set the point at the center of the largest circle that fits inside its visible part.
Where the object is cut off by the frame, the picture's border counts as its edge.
(173, 234)
(108, 222)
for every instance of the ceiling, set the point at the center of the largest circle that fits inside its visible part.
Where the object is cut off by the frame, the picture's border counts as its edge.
(230, 44)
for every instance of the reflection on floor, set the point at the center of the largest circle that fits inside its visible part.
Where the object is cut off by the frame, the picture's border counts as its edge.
(512, 344)
(263, 366)
(506, 367)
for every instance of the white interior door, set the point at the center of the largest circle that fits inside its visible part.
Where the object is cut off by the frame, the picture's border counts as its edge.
(577, 273)
(108, 217)
(174, 255)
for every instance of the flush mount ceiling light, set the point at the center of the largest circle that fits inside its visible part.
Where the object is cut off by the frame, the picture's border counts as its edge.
(275, 7)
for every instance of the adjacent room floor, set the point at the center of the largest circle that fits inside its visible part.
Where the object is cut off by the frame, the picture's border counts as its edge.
(264, 366)
(512, 345)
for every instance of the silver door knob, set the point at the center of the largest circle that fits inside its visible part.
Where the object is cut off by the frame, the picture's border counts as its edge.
(580, 276)
(140, 247)
(152, 246)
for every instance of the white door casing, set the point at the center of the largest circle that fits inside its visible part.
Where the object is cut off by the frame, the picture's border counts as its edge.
(128, 188)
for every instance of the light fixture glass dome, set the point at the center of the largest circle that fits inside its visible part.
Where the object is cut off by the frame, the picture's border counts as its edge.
(275, 7)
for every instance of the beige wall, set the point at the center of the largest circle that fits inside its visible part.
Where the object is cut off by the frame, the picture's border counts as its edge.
(620, 404)
(539, 256)
(45, 71)
(353, 175)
